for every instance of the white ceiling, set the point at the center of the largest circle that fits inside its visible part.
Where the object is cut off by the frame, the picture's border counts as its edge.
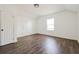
(72, 7)
(45, 9)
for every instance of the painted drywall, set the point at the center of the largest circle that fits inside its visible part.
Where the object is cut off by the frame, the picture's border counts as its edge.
(78, 27)
(0, 29)
(25, 26)
(65, 25)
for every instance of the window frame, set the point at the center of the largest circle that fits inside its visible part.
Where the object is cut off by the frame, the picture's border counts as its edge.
(50, 26)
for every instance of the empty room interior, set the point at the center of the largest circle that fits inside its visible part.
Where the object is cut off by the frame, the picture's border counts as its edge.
(39, 29)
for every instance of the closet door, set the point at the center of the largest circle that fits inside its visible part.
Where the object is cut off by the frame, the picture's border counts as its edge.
(7, 28)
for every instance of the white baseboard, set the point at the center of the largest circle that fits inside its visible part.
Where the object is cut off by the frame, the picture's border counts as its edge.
(78, 41)
(8, 43)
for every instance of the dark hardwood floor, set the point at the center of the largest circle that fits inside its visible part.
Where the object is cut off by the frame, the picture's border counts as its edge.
(41, 44)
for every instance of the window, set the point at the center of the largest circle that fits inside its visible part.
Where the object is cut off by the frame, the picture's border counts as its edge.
(50, 24)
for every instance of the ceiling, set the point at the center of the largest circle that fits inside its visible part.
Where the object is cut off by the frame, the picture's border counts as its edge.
(45, 9)
(72, 7)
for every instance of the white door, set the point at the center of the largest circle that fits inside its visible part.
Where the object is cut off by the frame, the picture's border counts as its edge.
(7, 28)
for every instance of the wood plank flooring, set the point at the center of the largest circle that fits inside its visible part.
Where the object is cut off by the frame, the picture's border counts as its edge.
(41, 44)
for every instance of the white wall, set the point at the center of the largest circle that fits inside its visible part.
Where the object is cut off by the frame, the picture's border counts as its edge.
(0, 29)
(65, 25)
(78, 27)
(25, 25)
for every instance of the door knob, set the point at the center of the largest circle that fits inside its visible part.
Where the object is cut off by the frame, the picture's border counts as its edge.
(2, 29)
